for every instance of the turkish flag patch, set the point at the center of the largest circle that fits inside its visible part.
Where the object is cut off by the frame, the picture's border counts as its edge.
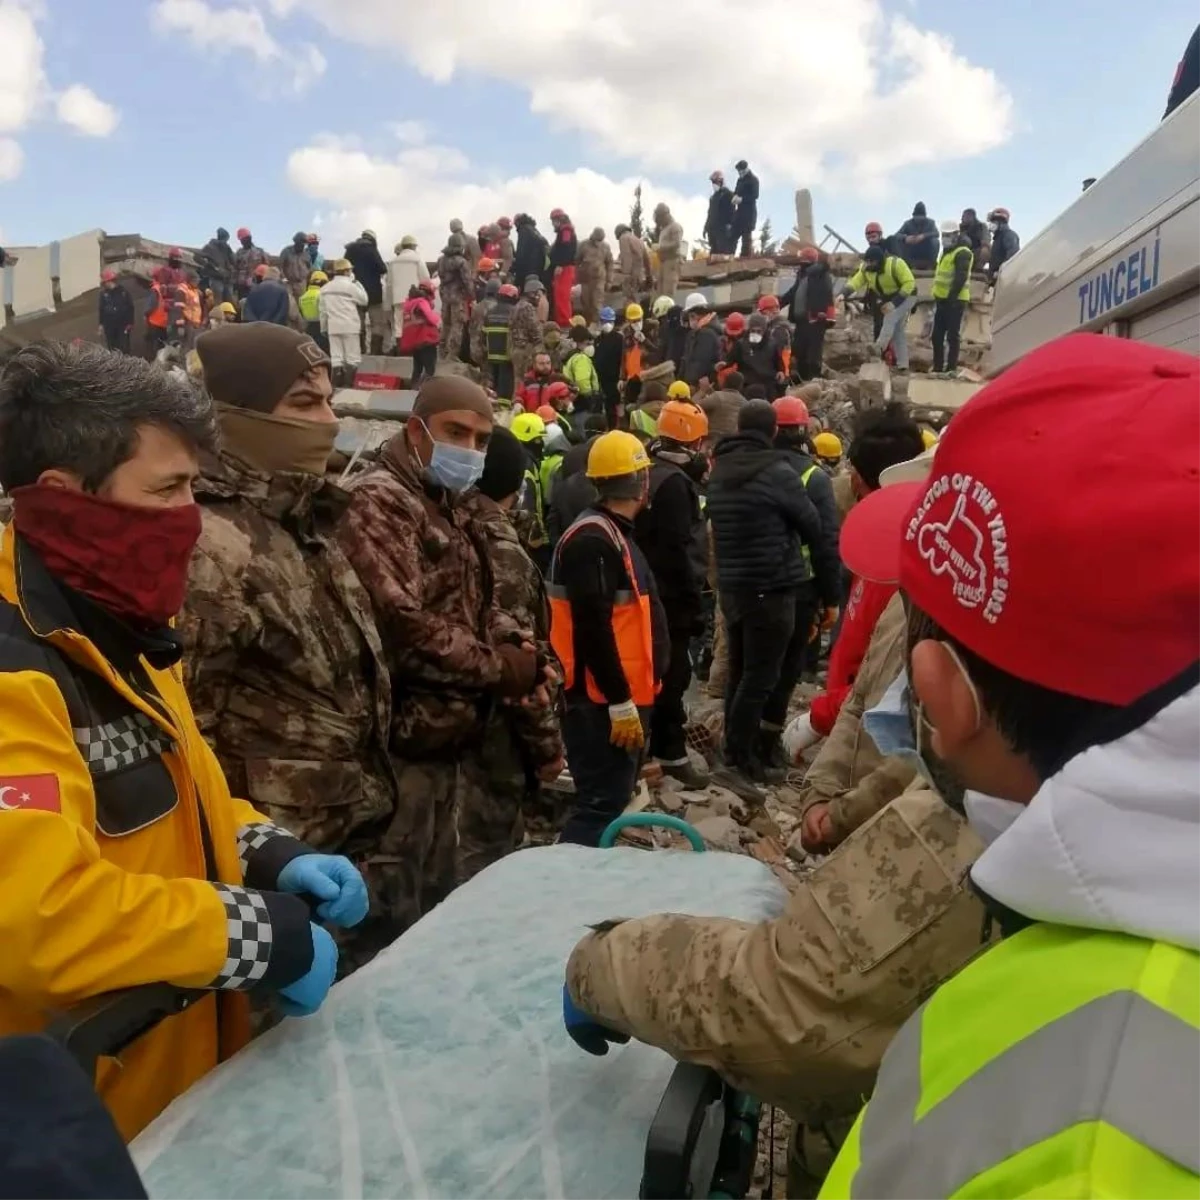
(30, 791)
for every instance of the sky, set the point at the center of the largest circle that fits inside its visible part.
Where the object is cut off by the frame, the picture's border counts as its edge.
(170, 117)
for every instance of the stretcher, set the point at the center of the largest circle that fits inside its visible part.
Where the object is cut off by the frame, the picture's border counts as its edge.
(443, 1069)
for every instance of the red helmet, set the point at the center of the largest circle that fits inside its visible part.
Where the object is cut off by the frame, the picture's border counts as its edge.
(998, 214)
(768, 304)
(260, 272)
(873, 227)
(548, 413)
(735, 324)
(557, 214)
(508, 291)
(243, 233)
(174, 252)
(505, 223)
(790, 411)
(809, 254)
(427, 285)
(556, 391)
(108, 276)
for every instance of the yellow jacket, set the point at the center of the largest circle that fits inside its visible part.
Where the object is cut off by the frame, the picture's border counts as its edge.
(108, 881)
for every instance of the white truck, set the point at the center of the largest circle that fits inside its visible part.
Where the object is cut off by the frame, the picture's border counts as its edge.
(1123, 260)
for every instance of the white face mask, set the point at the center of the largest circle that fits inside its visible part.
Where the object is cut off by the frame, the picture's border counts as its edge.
(607, 327)
(755, 338)
(637, 327)
(590, 350)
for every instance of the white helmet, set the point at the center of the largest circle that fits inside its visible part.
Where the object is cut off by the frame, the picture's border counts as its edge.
(694, 301)
(949, 228)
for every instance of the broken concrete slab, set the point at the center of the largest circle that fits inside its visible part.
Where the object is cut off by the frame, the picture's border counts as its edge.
(940, 391)
(721, 833)
(874, 384)
(387, 404)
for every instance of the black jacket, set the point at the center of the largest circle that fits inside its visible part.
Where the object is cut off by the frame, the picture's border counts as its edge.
(530, 256)
(1187, 74)
(590, 569)
(564, 248)
(923, 253)
(571, 491)
(720, 216)
(672, 534)
(610, 347)
(976, 232)
(701, 353)
(745, 216)
(759, 363)
(215, 261)
(369, 268)
(268, 300)
(761, 516)
(672, 338)
(823, 553)
(1005, 245)
(116, 309)
(810, 295)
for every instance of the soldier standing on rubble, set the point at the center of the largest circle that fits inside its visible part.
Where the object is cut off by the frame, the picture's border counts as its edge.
(452, 655)
(668, 241)
(595, 274)
(457, 287)
(246, 262)
(525, 328)
(634, 259)
(295, 265)
(521, 744)
(282, 657)
(505, 246)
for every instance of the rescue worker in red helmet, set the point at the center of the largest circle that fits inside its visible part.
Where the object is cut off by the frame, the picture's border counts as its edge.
(116, 313)
(672, 534)
(809, 305)
(563, 252)
(245, 261)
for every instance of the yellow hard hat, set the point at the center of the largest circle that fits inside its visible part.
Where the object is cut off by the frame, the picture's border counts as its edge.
(318, 277)
(663, 305)
(827, 445)
(527, 427)
(579, 321)
(633, 312)
(227, 309)
(929, 438)
(679, 391)
(614, 454)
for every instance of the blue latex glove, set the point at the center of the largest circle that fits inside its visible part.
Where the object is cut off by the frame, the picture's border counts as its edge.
(307, 994)
(586, 1033)
(333, 880)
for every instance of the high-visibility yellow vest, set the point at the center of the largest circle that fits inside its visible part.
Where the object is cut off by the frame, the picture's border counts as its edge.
(309, 303)
(944, 275)
(805, 549)
(894, 278)
(1064, 1062)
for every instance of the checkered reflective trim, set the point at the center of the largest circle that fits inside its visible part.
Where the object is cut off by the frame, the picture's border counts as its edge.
(249, 949)
(120, 743)
(254, 837)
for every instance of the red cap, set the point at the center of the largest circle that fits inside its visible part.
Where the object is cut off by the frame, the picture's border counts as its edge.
(1044, 540)
(556, 213)
(174, 252)
(243, 233)
(768, 304)
(108, 276)
(790, 411)
(735, 324)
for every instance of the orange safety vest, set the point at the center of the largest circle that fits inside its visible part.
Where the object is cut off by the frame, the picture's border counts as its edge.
(191, 305)
(158, 318)
(632, 626)
(631, 365)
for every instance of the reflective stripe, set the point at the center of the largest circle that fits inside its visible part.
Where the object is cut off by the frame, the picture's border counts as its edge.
(1119, 1059)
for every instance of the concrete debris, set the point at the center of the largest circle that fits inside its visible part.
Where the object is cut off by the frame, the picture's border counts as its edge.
(721, 833)
(874, 384)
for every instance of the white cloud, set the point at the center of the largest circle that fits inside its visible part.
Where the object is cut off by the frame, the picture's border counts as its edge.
(819, 93)
(410, 133)
(419, 190)
(12, 158)
(84, 111)
(234, 28)
(25, 94)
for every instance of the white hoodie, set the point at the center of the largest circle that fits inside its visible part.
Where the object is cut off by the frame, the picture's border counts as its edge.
(339, 302)
(1112, 841)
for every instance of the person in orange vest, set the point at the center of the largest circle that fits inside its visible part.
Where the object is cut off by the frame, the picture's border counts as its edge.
(633, 354)
(609, 630)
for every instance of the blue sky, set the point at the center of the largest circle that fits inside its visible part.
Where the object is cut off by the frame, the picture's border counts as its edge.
(226, 116)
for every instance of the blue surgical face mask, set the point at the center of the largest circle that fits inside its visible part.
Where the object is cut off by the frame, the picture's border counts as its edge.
(456, 468)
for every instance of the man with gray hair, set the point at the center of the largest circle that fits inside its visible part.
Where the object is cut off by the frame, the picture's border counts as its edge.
(126, 860)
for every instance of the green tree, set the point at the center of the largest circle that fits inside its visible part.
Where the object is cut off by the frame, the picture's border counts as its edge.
(635, 213)
(766, 243)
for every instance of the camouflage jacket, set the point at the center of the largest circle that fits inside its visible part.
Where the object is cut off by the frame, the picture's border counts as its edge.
(521, 594)
(849, 773)
(454, 274)
(799, 1010)
(283, 662)
(245, 261)
(524, 330)
(475, 339)
(425, 563)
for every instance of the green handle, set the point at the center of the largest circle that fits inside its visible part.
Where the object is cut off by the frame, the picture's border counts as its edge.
(609, 836)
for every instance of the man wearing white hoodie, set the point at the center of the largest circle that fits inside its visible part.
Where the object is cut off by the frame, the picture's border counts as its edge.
(1065, 1061)
(340, 305)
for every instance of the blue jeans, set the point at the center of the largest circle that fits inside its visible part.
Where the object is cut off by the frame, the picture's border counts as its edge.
(895, 330)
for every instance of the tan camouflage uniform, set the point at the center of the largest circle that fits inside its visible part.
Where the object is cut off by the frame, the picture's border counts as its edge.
(635, 265)
(507, 254)
(424, 562)
(284, 665)
(500, 776)
(798, 1011)
(595, 271)
(670, 248)
(849, 774)
(524, 337)
(457, 289)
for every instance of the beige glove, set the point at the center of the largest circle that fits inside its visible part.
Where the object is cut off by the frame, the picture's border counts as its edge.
(627, 731)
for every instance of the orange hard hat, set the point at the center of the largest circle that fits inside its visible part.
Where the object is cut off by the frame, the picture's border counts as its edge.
(809, 254)
(548, 413)
(487, 264)
(768, 304)
(682, 421)
(735, 324)
(243, 233)
(260, 272)
(790, 411)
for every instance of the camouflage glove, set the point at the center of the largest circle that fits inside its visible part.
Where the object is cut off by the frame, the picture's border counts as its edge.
(627, 731)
